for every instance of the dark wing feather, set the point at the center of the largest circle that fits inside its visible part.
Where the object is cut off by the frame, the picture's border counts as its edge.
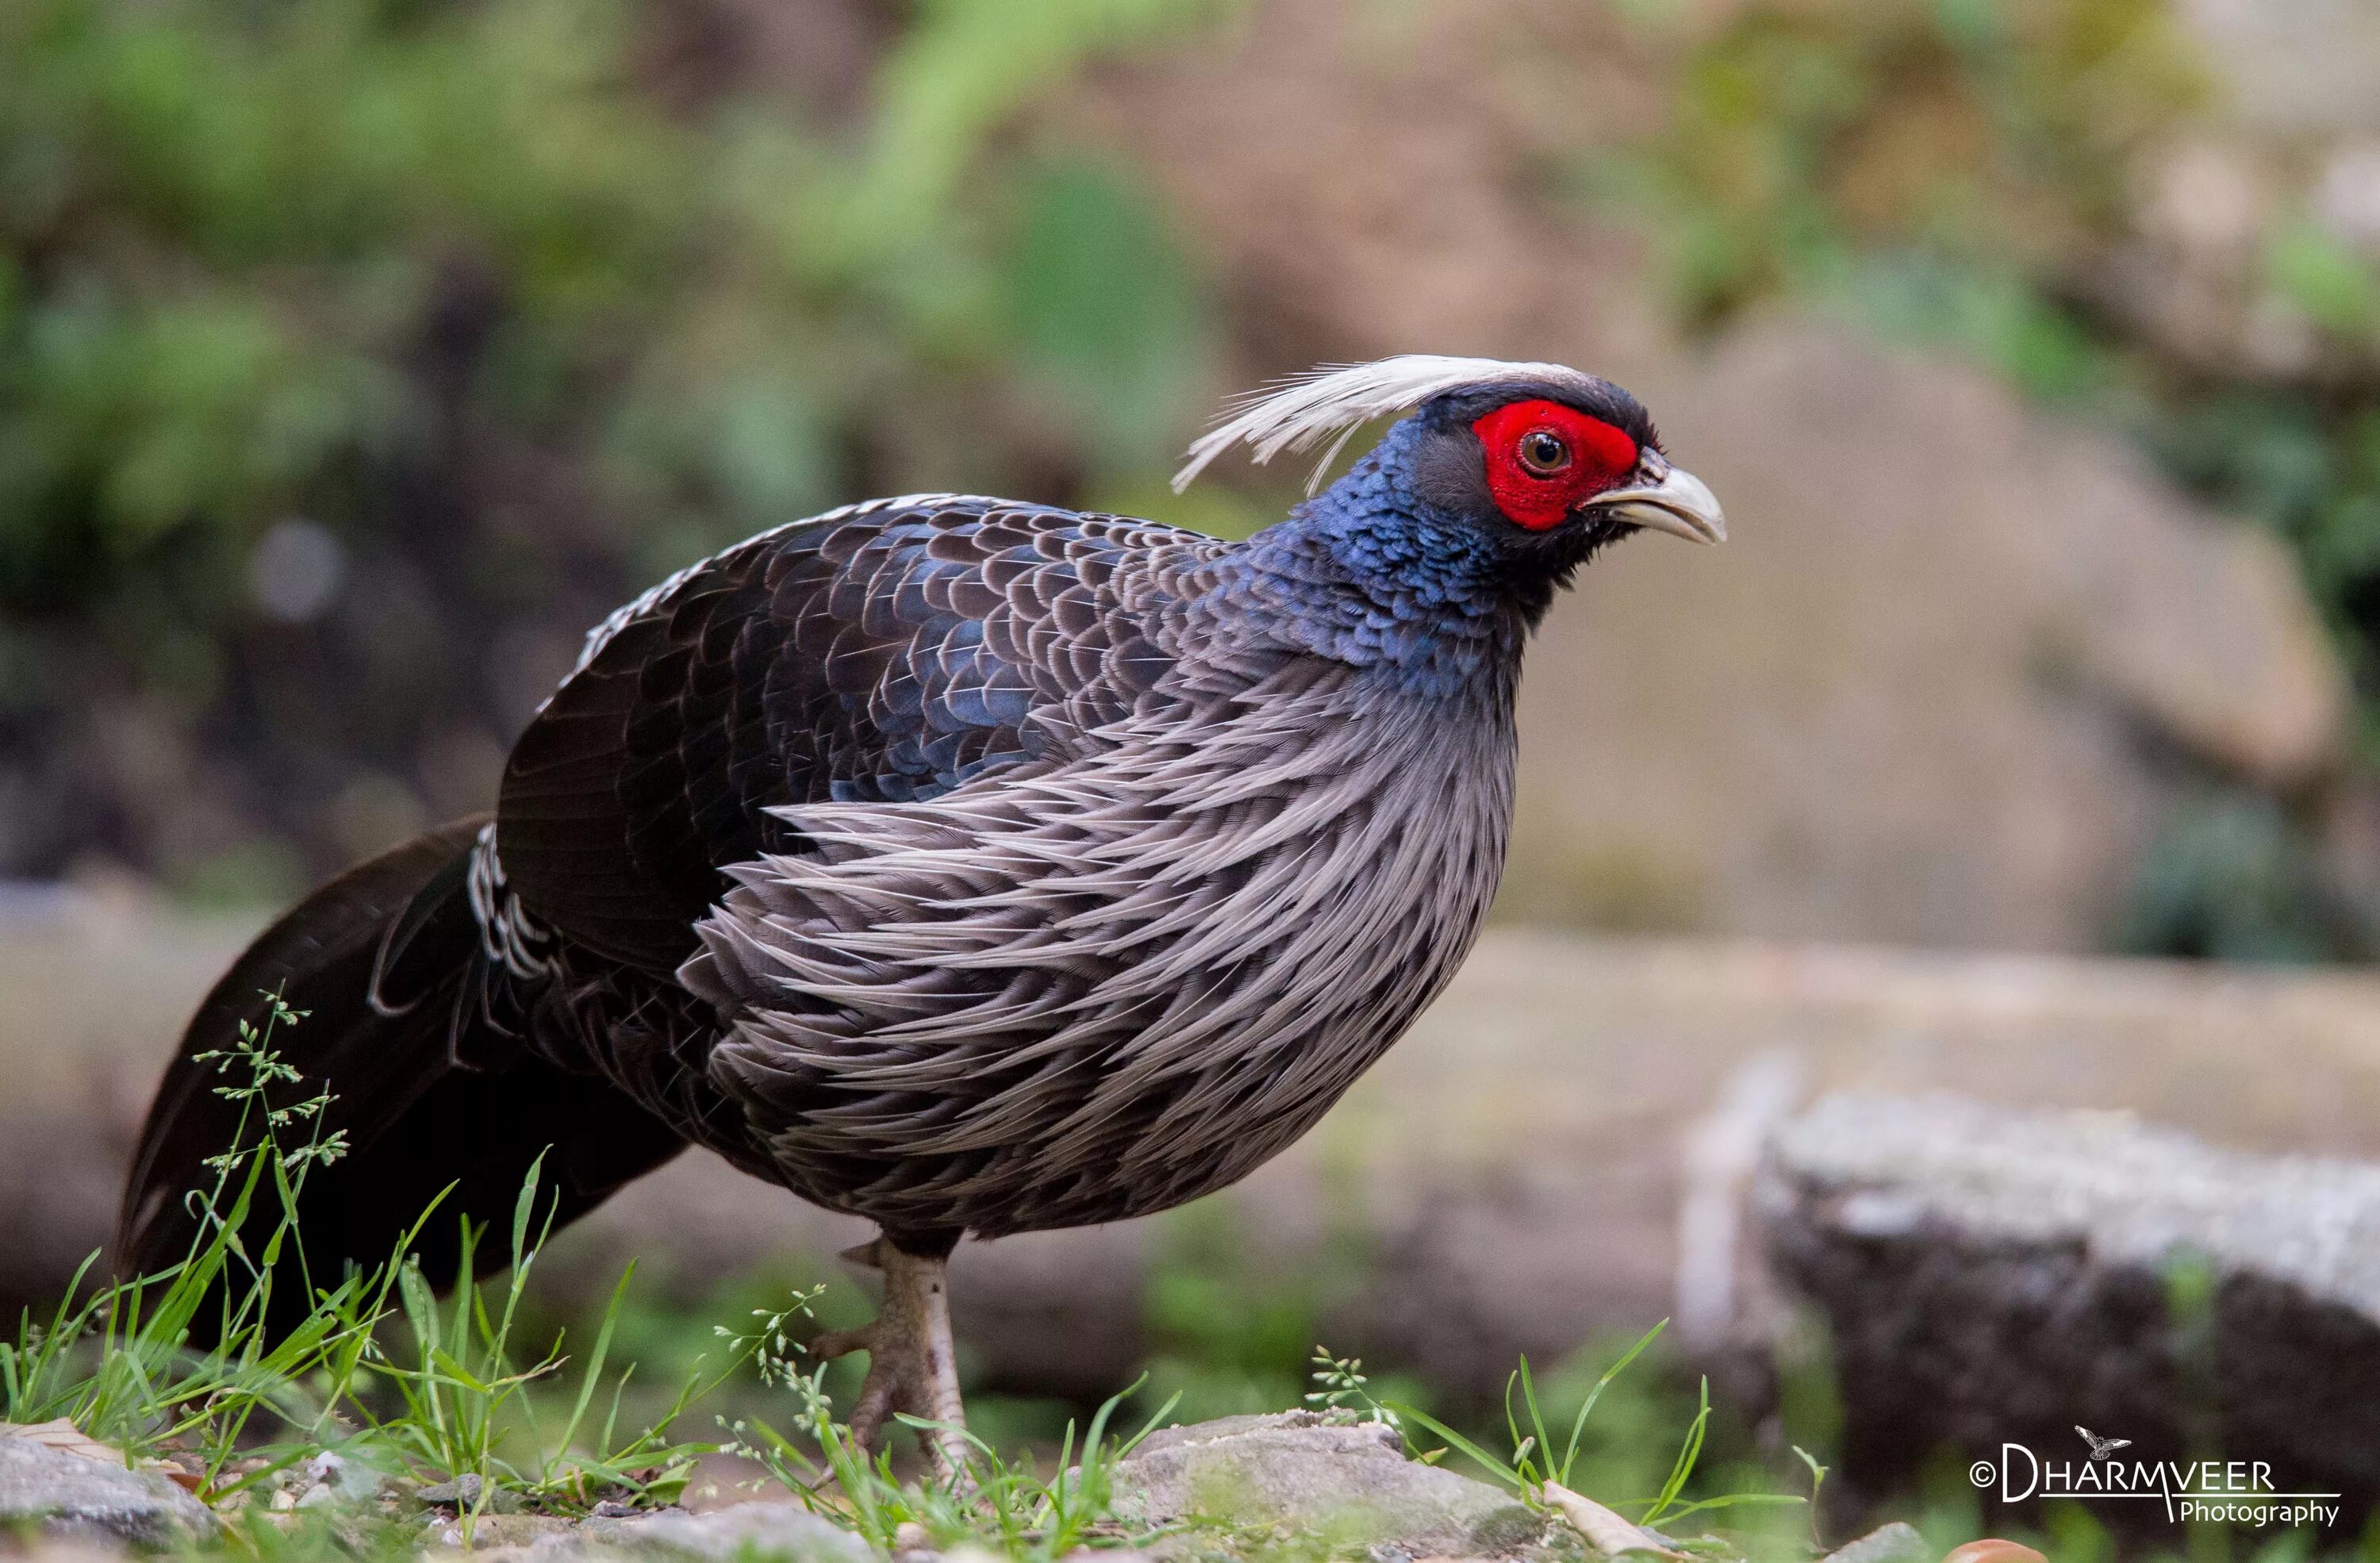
(342, 926)
(885, 654)
(383, 962)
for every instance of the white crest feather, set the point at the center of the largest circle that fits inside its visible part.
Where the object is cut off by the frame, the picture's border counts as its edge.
(1300, 412)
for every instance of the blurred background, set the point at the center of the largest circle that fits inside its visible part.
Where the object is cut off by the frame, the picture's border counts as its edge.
(357, 354)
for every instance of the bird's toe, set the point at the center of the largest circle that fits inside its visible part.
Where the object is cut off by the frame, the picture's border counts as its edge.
(833, 1344)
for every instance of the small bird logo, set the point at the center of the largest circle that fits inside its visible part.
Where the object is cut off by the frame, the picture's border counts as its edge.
(2102, 1448)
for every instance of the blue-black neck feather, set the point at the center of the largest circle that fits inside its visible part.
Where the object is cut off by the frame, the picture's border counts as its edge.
(1371, 573)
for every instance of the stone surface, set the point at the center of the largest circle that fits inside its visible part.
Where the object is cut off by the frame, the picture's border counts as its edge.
(1909, 700)
(764, 1533)
(1991, 1277)
(2296, 70)
(71, 1498)
(48, 1550)
(763, 1529)
(1896, 1543)
(1512, 1172)
(1348, 1482)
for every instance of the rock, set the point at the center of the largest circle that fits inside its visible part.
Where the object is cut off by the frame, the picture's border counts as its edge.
(68, 1551)
(1513, 1167)
(779, 1532)
(344, 1479)
(784, 1532)
(1990, 1276)
(1896, 1543)
(1295, 1469)
(463, 1492)
(2291, 69)
(70, 1497)
(2346, 199)
(510, 1534)
(1814, 733)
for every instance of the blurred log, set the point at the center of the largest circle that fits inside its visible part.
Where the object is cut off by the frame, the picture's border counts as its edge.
(1509, 1179)
(1990, 1276)
(93, 992)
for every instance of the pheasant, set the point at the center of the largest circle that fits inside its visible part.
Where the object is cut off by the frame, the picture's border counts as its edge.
(968, 866)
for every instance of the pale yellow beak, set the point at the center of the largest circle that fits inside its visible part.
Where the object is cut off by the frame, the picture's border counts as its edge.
(1669, 500)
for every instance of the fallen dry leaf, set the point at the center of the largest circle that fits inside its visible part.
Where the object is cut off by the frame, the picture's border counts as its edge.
(66, 1438)
(1606, 1531)
(1991, 1549)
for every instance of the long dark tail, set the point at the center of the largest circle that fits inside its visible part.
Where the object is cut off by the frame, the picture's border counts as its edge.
(434, 1091)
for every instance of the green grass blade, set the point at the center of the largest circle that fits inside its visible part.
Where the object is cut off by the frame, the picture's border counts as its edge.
(1578, 1423)
(1734, 1500)
(591, 1375)
(1458, 1442)
(1689, 1452)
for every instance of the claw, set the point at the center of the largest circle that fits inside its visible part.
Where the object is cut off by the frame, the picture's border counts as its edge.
(910, 1363)
(867, 1414)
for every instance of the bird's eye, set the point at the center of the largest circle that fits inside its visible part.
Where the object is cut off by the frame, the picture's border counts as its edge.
(1543, 452)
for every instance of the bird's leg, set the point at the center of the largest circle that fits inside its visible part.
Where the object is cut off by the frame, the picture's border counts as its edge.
(911, 1365)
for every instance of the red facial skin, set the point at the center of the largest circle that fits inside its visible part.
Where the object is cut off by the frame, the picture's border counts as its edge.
(1600, 456)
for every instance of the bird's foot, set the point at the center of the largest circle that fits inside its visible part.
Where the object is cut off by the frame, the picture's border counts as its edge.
(912, 1369)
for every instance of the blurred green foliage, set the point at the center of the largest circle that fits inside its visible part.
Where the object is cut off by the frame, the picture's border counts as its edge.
(517, 303)
(2310, 468)
(1809, 143)
(356, 354)
(1227, 1338)
(1955, 172)
(2227, 878)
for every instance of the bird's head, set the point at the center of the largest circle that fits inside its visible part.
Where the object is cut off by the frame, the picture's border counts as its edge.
(1526, 468)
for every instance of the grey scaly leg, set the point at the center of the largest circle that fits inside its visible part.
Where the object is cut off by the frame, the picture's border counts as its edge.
(912, 1366)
